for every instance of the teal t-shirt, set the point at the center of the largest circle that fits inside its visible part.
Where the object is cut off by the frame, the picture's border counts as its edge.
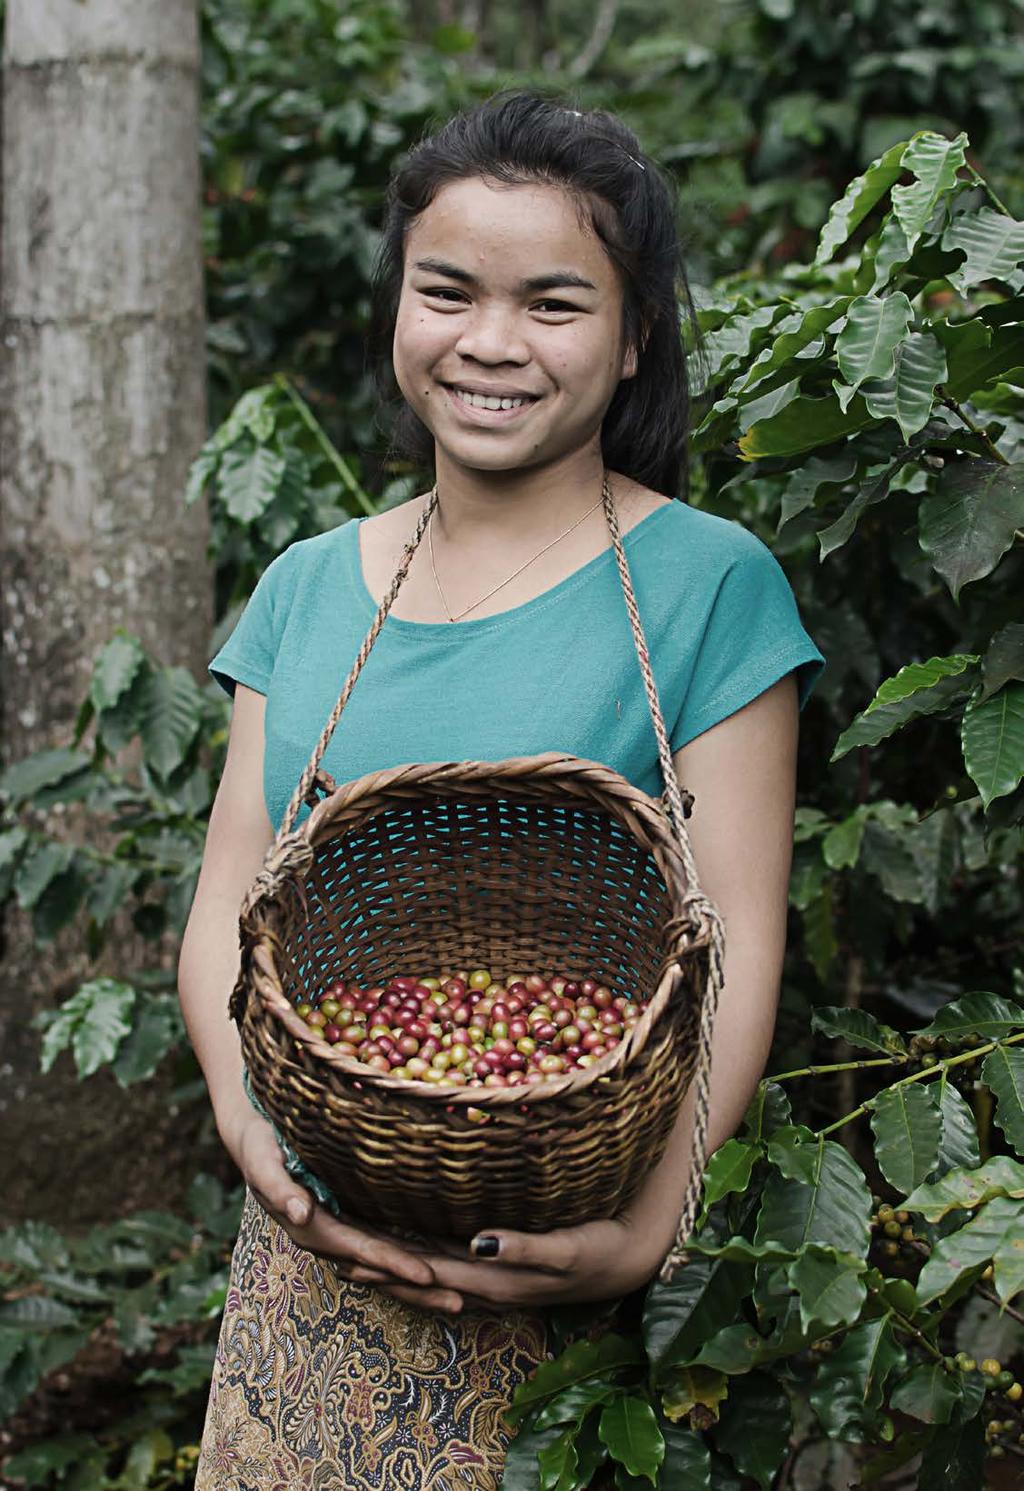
(557, 673)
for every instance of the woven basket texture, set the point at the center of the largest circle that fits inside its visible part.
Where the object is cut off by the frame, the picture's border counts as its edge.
(538, 864)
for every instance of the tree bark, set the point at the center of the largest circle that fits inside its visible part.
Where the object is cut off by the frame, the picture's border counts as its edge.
(104, 369)
(102, 407)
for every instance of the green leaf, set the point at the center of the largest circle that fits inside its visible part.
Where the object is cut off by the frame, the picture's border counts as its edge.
(248, 481)
(1004, 659)
(728, 1170)
(769, 1110)
(995, 1234)
(687, 1462)
(702, 1297)
(857, 201)
(254, 414)
(36, 1464)
(830, 1287)
(928, 1393)
(981, 1014)
(157, 1029)
(866, 346)
(992, 243)
(41, 864)
(171, 714)
(557, 1464)
(572, 1405)
(977, 354)
(908, 395)
(33, 1246)
(935, 162)
(115, 670)
(992, 736)
(965, 1190)
(199, 473)
(917, 689)
(858, 1028)
(1003, 1074)
(906, 1123)
(841, 845)
(850, 1386)
(817, 477)
(832, 1208)
(803, 424)
(93, 1022)
(36, 1312)
(755, 1426)
(954, 1457)
(521, 1467)
(967, 524)
(630, 1430)
(580, 1361)
(958, 1144)
(810, 325)
(24, 779)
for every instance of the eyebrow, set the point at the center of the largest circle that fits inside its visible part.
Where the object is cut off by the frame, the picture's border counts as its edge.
(565, 279)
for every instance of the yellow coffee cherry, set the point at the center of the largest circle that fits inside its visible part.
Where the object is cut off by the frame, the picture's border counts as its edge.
(885, 1213)
(991, 1367)
(1015, 1392)
(907, 1234)
(988, 1272)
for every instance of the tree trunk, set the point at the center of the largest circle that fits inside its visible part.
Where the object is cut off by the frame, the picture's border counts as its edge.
(102, 403)
(103, 337)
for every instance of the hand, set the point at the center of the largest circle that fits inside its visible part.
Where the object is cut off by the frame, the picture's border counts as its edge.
(253, 1146)
(595, 1261)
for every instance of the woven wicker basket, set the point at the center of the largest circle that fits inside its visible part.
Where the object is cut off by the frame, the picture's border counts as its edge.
(539, 862)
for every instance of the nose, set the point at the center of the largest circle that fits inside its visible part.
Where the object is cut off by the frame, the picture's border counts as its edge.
(490, 335)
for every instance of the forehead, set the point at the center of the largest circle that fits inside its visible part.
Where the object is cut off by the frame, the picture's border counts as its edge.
(504, 233)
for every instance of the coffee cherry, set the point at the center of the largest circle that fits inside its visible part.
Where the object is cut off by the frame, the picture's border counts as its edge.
(991, 1367)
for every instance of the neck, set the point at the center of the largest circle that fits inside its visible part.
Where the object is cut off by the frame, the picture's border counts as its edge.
(490, 505)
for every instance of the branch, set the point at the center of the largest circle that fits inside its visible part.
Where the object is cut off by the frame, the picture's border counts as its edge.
(604, 25)
(975, 429)
(929, 1071)
(340, 465)
(978, 180)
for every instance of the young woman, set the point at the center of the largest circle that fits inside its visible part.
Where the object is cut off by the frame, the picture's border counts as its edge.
(528, 295)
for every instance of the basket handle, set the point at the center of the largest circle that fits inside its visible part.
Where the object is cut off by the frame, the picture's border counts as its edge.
(704, 915)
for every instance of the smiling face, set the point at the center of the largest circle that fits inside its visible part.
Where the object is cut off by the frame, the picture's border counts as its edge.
(508, 341)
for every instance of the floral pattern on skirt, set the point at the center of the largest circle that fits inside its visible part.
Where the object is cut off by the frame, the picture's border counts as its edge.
(321, 1384)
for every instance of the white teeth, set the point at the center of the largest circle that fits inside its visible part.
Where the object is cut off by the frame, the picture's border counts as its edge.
(487, 401)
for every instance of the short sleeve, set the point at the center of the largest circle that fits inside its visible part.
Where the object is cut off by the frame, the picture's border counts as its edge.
(248, 654)
(753, 637)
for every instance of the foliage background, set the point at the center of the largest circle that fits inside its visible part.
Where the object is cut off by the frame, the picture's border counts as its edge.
(908, 871)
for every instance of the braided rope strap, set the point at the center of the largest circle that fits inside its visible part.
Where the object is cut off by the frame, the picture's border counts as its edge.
(705, 918)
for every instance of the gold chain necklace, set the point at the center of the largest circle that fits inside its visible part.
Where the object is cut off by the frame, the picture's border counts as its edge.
(605, 492)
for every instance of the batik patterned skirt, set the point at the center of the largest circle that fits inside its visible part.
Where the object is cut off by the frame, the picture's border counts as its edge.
(323, 1383)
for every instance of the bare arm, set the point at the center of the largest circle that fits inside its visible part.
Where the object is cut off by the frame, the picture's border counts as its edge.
(742, 773)
(239, 834)
(237, 839)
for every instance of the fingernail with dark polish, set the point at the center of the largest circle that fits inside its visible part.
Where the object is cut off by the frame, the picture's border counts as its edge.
(486, 1247)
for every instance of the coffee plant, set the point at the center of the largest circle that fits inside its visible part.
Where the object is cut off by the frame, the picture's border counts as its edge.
(850, 1310)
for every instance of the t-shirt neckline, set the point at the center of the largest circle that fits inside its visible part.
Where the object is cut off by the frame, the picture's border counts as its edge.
(481, 624)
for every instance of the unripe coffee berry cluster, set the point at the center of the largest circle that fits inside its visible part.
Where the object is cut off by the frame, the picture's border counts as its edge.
(470, 1029)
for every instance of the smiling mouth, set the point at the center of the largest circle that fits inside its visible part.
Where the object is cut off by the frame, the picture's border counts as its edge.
(490, 403)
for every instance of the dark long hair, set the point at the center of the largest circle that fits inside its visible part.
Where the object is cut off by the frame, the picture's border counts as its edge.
(521, 138)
